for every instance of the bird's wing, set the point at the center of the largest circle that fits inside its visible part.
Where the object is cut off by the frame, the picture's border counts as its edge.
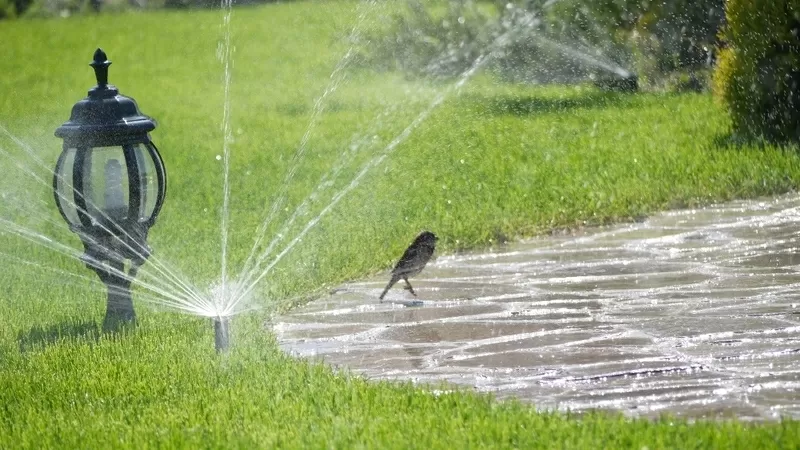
(409, 258)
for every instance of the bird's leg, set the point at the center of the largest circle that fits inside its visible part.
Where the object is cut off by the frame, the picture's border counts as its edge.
(408, 287)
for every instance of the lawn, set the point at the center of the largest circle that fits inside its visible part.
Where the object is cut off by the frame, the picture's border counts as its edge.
(494, 162)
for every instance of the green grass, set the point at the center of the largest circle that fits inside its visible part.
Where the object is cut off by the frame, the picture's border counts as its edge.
(494, 163)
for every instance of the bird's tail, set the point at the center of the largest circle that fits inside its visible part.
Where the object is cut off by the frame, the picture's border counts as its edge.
(388, 286)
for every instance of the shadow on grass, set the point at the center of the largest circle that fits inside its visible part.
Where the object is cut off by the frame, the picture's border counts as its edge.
(733, 141)
(39, 337)
(522, 105)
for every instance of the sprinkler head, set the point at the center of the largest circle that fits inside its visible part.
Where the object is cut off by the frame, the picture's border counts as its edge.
(222, 336)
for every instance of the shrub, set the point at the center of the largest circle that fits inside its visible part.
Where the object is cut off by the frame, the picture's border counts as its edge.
(558, 42)
(758, 73)
(443, 38)
(55, 8)
(567, 41)
(673, 41)
(439, 38)
(7, 9)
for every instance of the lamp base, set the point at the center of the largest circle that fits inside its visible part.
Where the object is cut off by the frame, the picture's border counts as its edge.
(119, 308)
(119, 315)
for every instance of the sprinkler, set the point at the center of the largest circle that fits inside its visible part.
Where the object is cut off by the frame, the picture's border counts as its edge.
(222, 333)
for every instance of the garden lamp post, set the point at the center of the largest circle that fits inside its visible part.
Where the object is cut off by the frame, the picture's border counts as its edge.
(109, 185)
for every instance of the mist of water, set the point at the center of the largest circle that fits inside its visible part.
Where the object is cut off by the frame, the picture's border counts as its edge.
(336, 78)
(498, 44)
(691, 312)
(165, 286)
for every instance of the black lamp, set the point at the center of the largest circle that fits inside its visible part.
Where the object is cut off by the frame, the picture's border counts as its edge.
(109, 185)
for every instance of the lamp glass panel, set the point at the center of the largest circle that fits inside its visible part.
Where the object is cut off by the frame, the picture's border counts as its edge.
(105, 184)
(65, 193)
(148, 180)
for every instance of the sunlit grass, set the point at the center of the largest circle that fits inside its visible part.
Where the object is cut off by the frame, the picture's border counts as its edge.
(493, 163)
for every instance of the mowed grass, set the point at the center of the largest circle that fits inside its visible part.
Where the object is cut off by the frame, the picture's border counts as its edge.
(495, 162)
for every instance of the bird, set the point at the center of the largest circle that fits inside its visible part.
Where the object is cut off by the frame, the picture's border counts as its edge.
(413, 261)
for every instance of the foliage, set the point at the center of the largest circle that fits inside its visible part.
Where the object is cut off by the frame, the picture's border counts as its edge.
(435, 38)
(667, 37)
(758, 77)
(547, 45)
(7, 9)
(445, 38)
(64, 8)
(58, 8)
(565, 41)
(498, 159)
(207, 4)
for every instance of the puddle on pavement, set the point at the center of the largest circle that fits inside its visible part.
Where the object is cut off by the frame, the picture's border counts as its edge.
(695, 313)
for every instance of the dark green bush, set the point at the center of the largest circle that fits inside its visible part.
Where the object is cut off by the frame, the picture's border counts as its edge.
(431, 38)
(564, 41)
(10, 9)
(207, 4)
(7, 9)
(758, 74)
(443, 38)
(674, 40)
(55, 8)
(555, 42)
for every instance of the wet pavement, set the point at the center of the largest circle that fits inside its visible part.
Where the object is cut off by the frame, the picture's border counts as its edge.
(694, 313)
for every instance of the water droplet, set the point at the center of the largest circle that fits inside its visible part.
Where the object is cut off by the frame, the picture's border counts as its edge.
(219, 157)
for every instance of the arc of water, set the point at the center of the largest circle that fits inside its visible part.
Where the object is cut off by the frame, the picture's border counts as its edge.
(226, 139)
(329, 177)
(530, 18)
(93, 282)
(47, 242)
(161, 267)
(158, 266)
(499, 43)
(581, 56)
(336, 77)
(95, 285)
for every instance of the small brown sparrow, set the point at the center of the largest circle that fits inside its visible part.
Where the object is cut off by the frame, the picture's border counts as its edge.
(413, 261)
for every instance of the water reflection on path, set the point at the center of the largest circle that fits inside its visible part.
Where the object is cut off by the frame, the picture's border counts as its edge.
(691, 312)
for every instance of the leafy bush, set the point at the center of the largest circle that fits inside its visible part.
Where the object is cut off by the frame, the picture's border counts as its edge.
(564, 41)
(444, 38)
(552, 42)
(7, 9)
(675, 40)
(208, 4)
(435, 38)
(758, 74)
(55, 8)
